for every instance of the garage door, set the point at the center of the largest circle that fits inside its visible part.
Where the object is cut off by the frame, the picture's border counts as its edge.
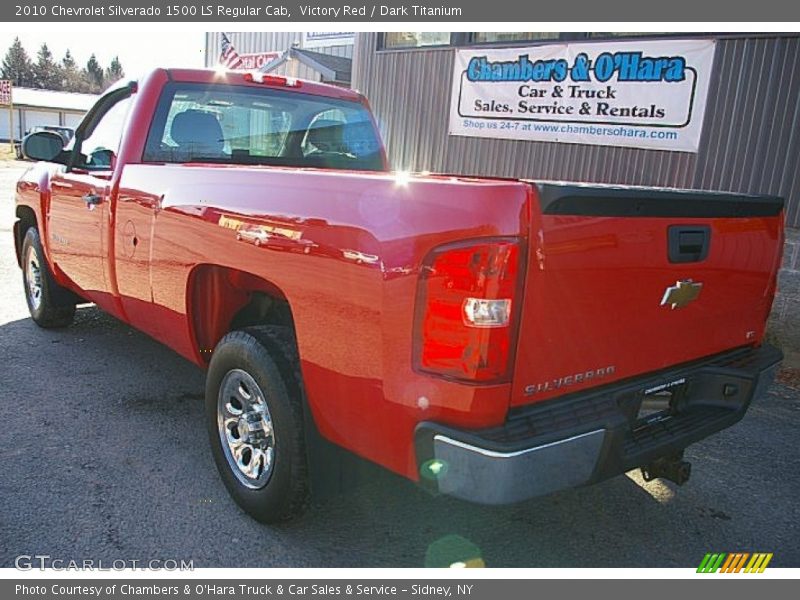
(72, 120)
(40, 117)
(4, 123)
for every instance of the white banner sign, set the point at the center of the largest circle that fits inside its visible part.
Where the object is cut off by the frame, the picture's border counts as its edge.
(643, 94)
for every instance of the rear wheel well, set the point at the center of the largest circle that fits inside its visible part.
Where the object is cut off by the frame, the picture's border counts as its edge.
(222, 300)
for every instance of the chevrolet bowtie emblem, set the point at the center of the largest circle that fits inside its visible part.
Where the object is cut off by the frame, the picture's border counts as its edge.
(681, 294)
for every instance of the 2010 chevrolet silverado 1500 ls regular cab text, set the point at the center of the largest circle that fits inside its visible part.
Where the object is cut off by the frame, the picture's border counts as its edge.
(492, 339)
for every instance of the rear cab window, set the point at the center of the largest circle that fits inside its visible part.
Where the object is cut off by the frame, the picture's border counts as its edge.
(252, 126)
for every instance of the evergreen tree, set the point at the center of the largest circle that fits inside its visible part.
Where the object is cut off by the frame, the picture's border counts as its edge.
(93, 74)
(71, 75)
(47, 73)
(17, 66)
(68, 62)
(114, 72)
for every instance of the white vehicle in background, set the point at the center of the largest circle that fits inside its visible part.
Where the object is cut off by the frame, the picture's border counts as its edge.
(66, 134)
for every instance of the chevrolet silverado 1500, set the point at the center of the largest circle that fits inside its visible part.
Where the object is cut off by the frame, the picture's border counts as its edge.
(492, 339)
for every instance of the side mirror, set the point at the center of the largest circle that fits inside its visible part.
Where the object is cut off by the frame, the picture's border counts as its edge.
(42, 145)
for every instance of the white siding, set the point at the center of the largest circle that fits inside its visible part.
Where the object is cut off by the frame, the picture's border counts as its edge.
(248, 42)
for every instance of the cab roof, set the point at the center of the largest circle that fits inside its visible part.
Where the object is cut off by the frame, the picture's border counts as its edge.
(250, 78)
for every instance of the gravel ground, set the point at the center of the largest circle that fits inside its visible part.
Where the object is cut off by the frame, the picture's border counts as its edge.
(104, 456)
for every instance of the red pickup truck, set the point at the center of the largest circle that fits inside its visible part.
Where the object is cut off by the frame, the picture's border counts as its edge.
(491, 339)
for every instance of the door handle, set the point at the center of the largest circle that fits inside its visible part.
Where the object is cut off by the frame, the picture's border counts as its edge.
(92, 200)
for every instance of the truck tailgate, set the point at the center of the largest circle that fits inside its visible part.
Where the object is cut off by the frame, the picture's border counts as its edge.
(625, 281)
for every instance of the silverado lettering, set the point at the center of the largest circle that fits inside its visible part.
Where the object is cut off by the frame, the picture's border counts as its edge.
(568, 380)
(252, 224)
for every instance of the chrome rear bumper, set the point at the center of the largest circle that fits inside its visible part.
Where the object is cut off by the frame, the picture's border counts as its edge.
(590, 436)
(490, 477)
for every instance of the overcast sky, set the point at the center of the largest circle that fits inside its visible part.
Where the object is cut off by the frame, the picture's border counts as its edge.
(138, 51)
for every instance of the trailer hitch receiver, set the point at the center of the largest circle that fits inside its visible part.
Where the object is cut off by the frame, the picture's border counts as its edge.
(672, 467)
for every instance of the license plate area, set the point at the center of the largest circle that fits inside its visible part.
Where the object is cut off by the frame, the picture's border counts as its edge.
(660, 402)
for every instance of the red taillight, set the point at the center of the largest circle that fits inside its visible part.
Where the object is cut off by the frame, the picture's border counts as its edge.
(464, 325)
(257, 77)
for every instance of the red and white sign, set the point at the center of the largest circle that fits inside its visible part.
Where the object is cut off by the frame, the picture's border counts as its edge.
(231, 59)
(257, 60)
(5, 91)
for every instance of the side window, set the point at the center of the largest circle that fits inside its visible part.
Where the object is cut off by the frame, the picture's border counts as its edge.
(99, 150)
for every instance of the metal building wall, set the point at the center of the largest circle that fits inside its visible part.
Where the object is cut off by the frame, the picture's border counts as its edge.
(248, 42)
(750, 143)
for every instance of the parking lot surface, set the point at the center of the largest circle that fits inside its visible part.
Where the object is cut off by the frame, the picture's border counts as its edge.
(103, 456)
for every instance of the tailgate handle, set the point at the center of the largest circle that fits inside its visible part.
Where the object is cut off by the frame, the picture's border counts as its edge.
(688, 243)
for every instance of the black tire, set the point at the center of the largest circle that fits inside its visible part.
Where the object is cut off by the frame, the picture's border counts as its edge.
(268, 355)
(56, 305)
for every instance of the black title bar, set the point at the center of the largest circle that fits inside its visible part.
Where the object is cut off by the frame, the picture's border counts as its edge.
(442, 11)
(464, 588)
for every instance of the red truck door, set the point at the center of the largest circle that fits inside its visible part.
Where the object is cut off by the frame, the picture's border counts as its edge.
(77, 209)
(78, 216)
